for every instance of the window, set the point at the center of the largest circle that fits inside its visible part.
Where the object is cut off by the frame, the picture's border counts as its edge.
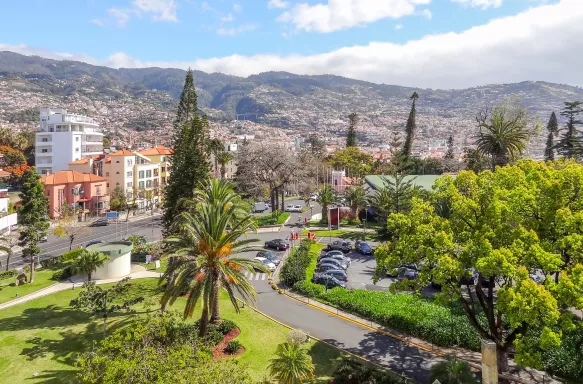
(129, 195)
(156, 172)
(163, 180)
(130, 184)
(141, 174)
(149, 173)
(117, 173)
(117, 184)
(76, 138)
(117, 162)
(148, 183)
(129, 174)
(99, 205)
(163, 158)
(76, 149)
(106, 174)
(141, 185)
(163, 169)
(107, 185)
(130, 162)
(44, 150)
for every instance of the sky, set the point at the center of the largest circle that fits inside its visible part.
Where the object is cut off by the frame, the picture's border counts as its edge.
(424, 43)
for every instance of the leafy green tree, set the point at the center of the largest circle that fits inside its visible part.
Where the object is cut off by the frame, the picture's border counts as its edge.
(497, 228)
(570, 145)
(68, 225)
(292, 364)
(351, 136)
(202, 250)
(118, 199)
(353, 160)
(224, 158)
(553, 130)
(136, 240)
(88, 261)
(410, 128)
(475, 161)
(503, 132)
(189, 163)
(33, 216)
(159, 349)
(452, 371)
(326, 197)
(356, 198)
(428, 166)
(106, 143)
(103, 302)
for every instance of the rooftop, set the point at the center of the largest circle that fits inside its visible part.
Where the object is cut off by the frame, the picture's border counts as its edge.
(123, 152)
(65, 177)
(159, 150)
(112, 248)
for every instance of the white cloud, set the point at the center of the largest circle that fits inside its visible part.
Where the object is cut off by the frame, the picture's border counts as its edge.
(237, 7)
(484, 4)
(398, 26)
(541, 43)
(426, 13)
(344, 14)
(236, 30)
(159, 10)
(277, 4)
(228, 18)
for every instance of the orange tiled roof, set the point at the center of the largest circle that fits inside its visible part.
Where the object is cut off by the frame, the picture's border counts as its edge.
(4, 173)
(159, 150)
(65, 177)
(80, 161)
(123, 152)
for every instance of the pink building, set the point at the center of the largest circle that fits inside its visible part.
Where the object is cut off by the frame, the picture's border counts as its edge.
(85, 192)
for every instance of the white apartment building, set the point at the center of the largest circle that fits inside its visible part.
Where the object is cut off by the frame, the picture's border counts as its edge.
(64, 137)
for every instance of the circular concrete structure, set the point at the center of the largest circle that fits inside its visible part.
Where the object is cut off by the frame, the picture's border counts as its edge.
(119, 263)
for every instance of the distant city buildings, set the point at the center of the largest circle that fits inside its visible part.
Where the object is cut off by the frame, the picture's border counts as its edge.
(64, 137)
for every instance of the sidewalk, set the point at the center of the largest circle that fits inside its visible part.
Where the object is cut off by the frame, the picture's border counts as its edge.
(516, 374)
(77, 282)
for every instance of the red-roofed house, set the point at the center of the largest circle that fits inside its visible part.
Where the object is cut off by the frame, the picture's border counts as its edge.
(85, 192)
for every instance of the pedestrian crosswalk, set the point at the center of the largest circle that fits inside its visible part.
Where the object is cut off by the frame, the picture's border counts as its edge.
(255, 276)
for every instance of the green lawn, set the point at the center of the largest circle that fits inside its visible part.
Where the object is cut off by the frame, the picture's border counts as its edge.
(42, 279)
(270, 220)
(40, 340)
(342, 234)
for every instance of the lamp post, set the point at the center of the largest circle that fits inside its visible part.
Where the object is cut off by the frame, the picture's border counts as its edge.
(365, 217)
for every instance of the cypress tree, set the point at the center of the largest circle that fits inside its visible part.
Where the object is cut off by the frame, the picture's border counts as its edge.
(32, 216)
(410, 128)
(570, 144)
(351, 137)
(553, 129)
(189, 162)
(449, 154)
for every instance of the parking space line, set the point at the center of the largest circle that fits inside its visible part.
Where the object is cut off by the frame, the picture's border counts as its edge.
(263, 276)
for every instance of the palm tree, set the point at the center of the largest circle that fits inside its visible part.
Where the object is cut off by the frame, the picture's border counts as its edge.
(452, 371)
(292, 364)
(203, 250)
(224, 158)
(88, 261)
(326, 197)
(356, 198)
(216, 146)
(503, 133)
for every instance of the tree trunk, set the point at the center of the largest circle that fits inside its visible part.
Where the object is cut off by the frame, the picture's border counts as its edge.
(104, 326)
(502, 358)
(8, 260)
(282, 198)
(276, 194)
(215, 316)
(223, 172)
(71, 239)
(204, 319)
(89, 276)
(31, 269)
(324, 213)
(272, 198)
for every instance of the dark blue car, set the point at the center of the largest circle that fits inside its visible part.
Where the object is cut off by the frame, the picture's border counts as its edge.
(363, 248)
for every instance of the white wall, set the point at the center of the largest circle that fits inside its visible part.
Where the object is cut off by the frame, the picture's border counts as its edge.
(116, 266)
(8, 221)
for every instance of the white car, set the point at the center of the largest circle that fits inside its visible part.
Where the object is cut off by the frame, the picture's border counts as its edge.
(314, 196)
(297, 208)
(267, 263)
(289, 208)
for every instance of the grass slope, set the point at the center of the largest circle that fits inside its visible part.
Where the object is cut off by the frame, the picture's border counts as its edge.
(42, 279)
(41, 339)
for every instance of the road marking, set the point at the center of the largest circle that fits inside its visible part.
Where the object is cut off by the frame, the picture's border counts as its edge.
(263, 276)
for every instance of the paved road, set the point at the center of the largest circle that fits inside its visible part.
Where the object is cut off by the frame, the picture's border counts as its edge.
(147, 226)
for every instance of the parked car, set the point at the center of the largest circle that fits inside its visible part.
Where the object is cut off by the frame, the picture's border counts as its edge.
(337, 273)
(289, 208)
(267, 263)
(363, 248)
(269, 256)
(260, 207)
(341, 264)
(400, 267)
(314, 197)
(407, 274)
(341, 245)
(330, 253)
(44, 239)
(325, 267)
(341, 258)
(328, 280)
(278, 244)
(99, 223)
(297, 208)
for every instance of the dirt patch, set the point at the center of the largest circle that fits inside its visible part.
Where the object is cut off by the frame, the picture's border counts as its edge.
(219, 349)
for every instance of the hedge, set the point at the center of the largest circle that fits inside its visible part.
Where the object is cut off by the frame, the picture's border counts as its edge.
(64, 258)
(407, 313)
(295, 266)
(8, 274)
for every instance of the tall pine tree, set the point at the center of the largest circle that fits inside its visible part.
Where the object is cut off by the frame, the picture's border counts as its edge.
(32, 216)
(189, 163)
(553, 130)
(351, 137)
(449, 154)
(410, 128)
(570, 144)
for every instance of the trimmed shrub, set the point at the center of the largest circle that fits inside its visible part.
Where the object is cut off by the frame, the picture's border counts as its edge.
(213, 335)
(227, 326)
(309, 289)
(64, 258)
(295, 336)
(233, 346)
(295, 266)
(8, 274)
(62, 274)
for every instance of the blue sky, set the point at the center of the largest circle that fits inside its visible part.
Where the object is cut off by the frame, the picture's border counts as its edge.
(249, 36)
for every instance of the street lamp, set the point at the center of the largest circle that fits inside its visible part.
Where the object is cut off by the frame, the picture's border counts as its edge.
(365, 217)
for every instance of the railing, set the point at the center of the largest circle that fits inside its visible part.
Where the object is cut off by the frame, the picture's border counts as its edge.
(78, 119)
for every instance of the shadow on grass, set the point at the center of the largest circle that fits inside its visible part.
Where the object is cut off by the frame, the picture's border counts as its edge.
(54, 377)
(326, 359)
